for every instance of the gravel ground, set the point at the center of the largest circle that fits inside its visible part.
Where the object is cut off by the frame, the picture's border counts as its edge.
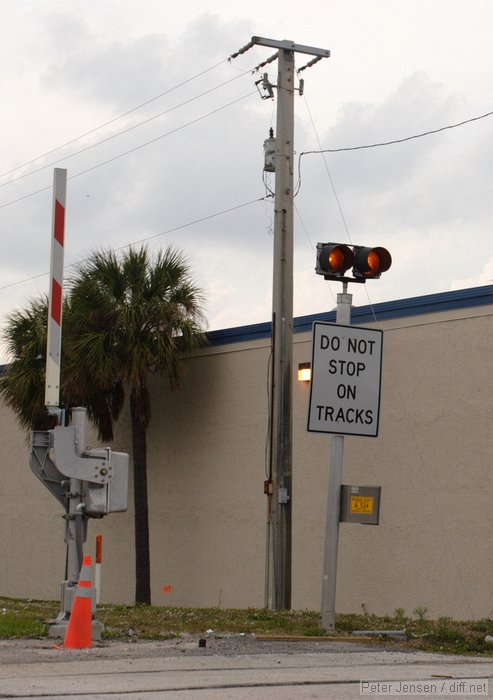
(47, 650)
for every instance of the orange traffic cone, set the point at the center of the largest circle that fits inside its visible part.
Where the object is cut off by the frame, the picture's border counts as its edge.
(79, 628)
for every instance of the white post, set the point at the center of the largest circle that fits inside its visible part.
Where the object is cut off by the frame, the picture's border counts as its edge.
(329, 579)
(97, 567)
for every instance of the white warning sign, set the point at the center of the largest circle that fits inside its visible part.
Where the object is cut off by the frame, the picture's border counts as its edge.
(346, 374)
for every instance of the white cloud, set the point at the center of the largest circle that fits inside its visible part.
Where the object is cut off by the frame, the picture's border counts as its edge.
(484, 277)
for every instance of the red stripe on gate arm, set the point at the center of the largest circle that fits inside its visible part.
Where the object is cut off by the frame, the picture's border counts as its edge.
(56, 302)
(99, 548)
(59, 222)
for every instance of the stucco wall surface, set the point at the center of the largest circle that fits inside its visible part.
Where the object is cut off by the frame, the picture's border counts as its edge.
(207, 465)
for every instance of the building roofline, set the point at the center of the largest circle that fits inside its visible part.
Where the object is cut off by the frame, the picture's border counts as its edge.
(401, 308)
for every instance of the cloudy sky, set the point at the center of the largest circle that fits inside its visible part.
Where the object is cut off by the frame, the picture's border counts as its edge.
(162, 138)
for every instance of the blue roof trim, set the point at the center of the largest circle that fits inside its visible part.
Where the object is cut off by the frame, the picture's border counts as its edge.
(402, 308)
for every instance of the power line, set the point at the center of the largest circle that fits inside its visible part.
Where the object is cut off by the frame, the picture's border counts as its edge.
(336, 197)
(394, 141)
(303, 153)
(197, 221)
(114, 119)
(120, 133)
(131, 150)
(148, 238)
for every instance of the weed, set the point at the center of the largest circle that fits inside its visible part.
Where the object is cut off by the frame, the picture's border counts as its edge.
(400, 616)
(420, 613)
(485, 625)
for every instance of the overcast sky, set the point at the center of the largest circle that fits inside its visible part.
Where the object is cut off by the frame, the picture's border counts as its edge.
(186, 168)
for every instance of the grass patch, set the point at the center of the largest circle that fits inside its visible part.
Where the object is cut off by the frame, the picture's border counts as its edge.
(152, 622)
(28, 619)
(21, 619)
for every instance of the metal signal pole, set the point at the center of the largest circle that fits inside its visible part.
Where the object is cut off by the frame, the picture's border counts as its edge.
(333, 262)
(329, 578)
(279, 575)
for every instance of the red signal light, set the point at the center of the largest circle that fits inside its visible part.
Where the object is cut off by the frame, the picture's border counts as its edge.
(334, 259)
(371, 262)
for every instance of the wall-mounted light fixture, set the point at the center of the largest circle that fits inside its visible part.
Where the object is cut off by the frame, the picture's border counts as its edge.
(304, 372)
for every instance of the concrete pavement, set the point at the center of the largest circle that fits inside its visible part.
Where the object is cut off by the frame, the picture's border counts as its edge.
(239, 669)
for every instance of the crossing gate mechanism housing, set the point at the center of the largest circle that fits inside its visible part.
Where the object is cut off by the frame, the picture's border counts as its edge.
(103, 473)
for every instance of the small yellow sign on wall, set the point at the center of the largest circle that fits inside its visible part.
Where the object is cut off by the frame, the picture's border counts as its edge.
(361, 504)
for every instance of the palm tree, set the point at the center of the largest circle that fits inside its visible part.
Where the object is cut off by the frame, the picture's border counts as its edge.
(130, 317)
(22, 386)
(125, 318)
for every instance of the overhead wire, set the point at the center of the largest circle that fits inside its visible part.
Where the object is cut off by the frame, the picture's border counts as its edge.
(343, 218)
(136, 148)
(117, 118)
(323, 151)
(131, 150)
(320, 151)
(392, 142)
(147, 238)
(120, 133)
(402, 140)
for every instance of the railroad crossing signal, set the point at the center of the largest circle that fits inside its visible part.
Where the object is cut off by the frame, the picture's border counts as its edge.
(335, 259)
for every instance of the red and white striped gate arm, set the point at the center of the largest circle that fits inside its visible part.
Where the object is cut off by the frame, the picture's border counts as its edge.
(54, 343)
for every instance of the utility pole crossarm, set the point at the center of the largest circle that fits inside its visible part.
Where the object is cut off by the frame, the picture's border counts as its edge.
(289, 46)
(284, 45)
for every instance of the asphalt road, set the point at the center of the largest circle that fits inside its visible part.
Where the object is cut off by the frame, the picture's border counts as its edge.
(231, 668)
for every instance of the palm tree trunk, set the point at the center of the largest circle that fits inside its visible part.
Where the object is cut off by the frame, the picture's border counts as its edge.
(142, 557)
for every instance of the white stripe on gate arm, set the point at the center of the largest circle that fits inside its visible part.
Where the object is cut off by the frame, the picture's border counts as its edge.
(54, 341)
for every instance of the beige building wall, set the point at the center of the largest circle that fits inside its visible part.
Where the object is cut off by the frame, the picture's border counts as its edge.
(433, 460)
(207, 461)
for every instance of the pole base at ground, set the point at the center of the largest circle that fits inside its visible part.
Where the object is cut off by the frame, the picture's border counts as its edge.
(58, 628)
(328, 621)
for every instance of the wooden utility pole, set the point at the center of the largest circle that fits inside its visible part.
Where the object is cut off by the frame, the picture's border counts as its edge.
(280, 541)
